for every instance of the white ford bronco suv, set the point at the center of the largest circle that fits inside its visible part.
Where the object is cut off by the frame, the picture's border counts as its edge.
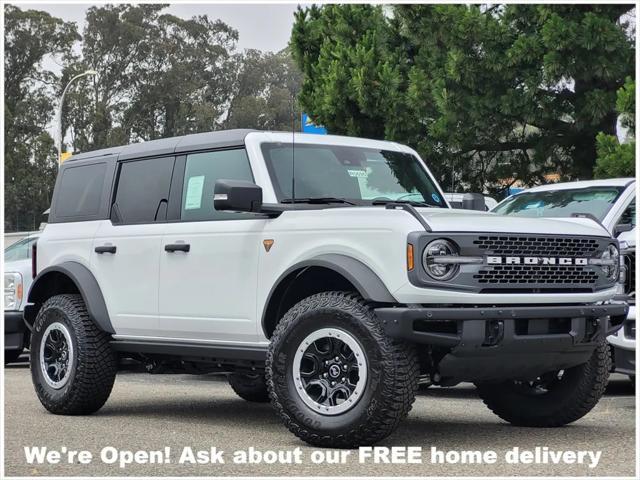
(326, 274)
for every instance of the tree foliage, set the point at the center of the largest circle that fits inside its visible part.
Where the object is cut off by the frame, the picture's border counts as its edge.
(29, 153)
(158, 75)
(617, 159)
(489, 92)
(264, 92)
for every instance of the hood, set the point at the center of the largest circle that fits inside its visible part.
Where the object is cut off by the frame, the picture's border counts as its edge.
(18, 266)
(629, 237)
(454, 220)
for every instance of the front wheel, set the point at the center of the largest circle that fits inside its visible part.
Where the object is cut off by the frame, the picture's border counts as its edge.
(335, 378)
(553, 399)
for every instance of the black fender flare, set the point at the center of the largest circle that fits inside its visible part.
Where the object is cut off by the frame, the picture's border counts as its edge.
(86, 284)
(366, 281)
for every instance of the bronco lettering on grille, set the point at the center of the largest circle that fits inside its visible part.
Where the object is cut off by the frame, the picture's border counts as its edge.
(496, 260)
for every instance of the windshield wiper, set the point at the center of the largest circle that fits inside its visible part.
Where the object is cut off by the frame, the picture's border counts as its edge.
(319, 200)
(415, 203)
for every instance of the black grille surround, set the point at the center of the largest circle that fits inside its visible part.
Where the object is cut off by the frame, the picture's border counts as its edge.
(522, 277)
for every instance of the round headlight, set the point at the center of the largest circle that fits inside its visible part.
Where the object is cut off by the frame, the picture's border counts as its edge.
(435, 269)
(612, 271)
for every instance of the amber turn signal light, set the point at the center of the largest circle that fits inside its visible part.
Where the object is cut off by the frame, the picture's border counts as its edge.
(410, 263)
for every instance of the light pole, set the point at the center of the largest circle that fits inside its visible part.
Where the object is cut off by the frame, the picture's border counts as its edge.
(84, 74)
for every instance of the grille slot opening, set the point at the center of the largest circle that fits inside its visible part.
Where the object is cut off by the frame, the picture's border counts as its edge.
(436, 326)
(542, 326)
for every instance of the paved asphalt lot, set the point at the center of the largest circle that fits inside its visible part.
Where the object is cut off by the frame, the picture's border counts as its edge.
(149, 412)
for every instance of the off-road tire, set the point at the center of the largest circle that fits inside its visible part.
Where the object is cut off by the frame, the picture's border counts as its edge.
(11, 356)
(392, 373)
(250, 387)
(571, 399)
(92, 368)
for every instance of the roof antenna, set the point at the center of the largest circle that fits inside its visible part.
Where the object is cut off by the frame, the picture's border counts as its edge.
(293, 149)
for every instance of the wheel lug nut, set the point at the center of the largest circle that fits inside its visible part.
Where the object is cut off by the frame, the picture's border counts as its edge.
(343, 379)
(325, 375)
(344, 367)
(337, 359)
(333, 383)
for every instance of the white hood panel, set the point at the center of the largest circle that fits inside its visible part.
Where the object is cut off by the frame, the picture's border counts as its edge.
(455, 220)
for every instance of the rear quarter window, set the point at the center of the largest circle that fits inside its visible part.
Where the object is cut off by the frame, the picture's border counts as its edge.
(80, 191)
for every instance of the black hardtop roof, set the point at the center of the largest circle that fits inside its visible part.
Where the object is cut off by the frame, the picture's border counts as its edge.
(169, 146)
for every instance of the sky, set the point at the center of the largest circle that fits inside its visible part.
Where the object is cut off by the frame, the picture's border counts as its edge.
(264, 27)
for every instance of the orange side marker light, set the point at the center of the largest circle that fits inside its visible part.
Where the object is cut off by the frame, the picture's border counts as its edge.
(410, 262)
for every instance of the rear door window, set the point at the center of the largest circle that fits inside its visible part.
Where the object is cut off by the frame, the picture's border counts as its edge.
(142, 193)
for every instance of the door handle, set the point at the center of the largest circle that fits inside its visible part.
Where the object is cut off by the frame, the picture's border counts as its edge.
(105, 249)
(177, 247)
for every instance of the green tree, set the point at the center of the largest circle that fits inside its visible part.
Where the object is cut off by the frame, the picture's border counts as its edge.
(30, 162)
(264, 92)
(488, 92)
(186, 80)
(617, 159)
(158, 76)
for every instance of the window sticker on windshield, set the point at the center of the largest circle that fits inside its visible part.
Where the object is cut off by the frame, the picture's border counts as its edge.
(358, 173)
(531, 206)
(193, 200)
(436, 197)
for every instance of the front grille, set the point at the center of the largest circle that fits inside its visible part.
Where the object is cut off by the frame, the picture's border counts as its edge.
(535, 245)
(630, 264)
(533, 263)
(536, 274)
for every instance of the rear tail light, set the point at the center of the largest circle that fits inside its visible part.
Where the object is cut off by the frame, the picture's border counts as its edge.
(34, 260)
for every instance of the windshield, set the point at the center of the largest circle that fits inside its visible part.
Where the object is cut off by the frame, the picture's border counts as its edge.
(21, 250)
(596, 201)
(349, 173)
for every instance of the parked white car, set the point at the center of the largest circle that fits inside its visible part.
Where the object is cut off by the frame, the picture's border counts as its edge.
(612, 203)
(17, 280)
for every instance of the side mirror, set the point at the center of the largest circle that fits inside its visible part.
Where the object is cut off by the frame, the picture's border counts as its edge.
(473, 201)
(237, 196)
(622, 227)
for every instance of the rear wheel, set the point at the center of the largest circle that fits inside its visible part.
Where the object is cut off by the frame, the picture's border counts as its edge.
(73, 366)
(335, 378)
(251, 387)
(553, 399)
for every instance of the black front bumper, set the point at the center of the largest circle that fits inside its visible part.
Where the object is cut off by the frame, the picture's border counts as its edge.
(498, 343)
(14, 330)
